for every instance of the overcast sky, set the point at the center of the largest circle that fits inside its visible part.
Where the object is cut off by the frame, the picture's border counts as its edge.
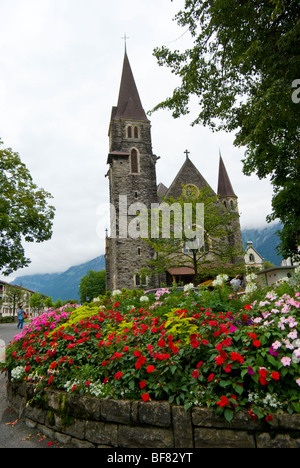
(61, 64)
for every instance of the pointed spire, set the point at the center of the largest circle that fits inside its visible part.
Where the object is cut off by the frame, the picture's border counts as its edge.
(224, 187)
(129, 103)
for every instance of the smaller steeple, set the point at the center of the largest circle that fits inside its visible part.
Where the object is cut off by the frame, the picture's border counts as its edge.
(224, 186)
(129, 103)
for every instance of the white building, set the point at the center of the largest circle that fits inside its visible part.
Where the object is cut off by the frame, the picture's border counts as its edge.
(253, 259)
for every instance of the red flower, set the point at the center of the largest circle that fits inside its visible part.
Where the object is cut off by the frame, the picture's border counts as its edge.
(141, 360)
(263, 374)
(142, 384)
(145, 397)
(247, 307)
(204, 342)
(219, 360)
(150, 369)
(161, 343)
(118, 375)
(275, 375)
(237, 357)
(256, 343)
(199, 364)
(252, 415)
(223, 402)
(88, 383)
(269, 417)
(50, 380)
(195, 374)
(210, 377)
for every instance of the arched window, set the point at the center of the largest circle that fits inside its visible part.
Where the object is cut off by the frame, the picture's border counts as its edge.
(136, 132)
(134, 161)
(251, 258)
(231, 205)
(129, 132)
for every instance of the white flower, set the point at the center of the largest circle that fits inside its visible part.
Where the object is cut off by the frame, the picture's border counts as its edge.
(18, 372)
(144, 299)
(188, 287)
(116, 292)
(220, 280)
(251, 277)
(250, 288)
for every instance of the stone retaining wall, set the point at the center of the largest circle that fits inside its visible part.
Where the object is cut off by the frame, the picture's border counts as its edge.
(92, 422)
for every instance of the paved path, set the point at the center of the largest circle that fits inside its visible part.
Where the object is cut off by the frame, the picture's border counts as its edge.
(15, 433)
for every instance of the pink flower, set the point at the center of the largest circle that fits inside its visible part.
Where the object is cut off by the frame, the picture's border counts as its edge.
(285, 361)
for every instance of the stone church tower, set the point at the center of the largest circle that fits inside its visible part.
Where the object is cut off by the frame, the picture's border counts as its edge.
(132, 180)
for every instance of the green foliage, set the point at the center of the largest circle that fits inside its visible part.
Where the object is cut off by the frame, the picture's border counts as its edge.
(241, 68)
(217, 254)
(92, 285)
(24, 212)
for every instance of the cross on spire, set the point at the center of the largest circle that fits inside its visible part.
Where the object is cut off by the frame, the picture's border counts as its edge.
(125, 39)
(186, 152)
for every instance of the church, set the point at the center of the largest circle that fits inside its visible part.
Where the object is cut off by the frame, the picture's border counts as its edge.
(132, 181)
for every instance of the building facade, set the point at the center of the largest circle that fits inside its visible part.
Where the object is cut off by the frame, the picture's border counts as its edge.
(132, 183)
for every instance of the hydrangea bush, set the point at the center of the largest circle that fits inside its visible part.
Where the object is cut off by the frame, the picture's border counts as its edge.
(193, 348)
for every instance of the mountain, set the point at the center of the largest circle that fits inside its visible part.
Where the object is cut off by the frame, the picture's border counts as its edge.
(265, 241)
(62, 286)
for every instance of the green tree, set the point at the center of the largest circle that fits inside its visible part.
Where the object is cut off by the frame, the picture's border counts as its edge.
(14, 295)
(216, 252)
(92, 285)
(37, 301)
(24, 212)
(243, 69)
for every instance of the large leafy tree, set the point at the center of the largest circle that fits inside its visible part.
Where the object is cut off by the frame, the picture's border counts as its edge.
(24, 212)
(243, 68)
(213, 252)
(92, 285)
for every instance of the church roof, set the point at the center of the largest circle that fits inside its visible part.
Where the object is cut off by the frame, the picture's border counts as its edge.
(187, 175)
(224, 186)
(129, 103)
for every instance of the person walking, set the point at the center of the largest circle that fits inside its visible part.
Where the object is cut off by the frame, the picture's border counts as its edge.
(20, 317)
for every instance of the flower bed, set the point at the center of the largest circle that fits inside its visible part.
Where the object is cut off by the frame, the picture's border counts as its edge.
(193, 348)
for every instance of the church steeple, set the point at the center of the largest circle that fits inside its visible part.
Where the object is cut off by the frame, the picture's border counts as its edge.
(132, 184)
(129, 103)
(224, 186)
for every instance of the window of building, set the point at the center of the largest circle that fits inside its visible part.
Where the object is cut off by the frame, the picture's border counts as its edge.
(136, 132)
(140, 280)
(134, 161)
(129, 132)
(251, 258)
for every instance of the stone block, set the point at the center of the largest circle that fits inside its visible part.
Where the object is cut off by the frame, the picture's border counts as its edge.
(223, 438)
(146, 437)
(155, 413)
(117, 411)
(265, 440)
(101, 433)
(182, 427)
